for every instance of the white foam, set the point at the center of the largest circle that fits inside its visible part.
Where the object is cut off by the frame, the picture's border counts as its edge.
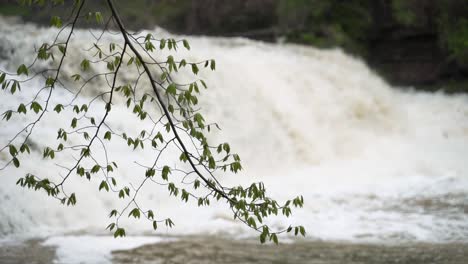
(94, 249)
(373, 162)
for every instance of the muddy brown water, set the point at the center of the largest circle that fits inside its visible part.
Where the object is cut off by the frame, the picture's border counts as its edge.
(211, 250)
(208, 250)
(29, 252)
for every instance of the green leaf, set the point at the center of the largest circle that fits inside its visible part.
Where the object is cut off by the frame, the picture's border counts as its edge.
(14, 86)
(199, 119)
(84, 108)
(213, 65)
(148, 37)
(150, 214)
(46, 152)
(42, 53)
(182, 63)
(74, 122)
(61, 49)
(111, 226)
(186, 44)
(171, 89)
(80, 171)
(170, 108)
(24, 148)
(226, 148)
(150, 172)
(56, 21)
(16, 162)
(2, 77)
(36, 107)
(85, 65)
(196, 184)
(251, 222)
(183, 157)
(171, 63)
(135, 213)
(211, 163)
(13, 151)
(165, 172)
(58, 108)
(108, 135)
(110, 66)
(113, 213)
(7, 115)
(169, 222)
(50, 82)
(159, 136)
(120, 232)
(22, 109)
(149, 46)
(22, 69)
(195, 68)
(274, 238)
(162, 43)
(302, 230)
(104, 185)
(71, 199)
(169, 44)
(204, 84)
(98, 16)
(95, 168)
(76, 77)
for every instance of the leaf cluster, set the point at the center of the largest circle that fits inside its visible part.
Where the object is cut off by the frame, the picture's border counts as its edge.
(170, 108)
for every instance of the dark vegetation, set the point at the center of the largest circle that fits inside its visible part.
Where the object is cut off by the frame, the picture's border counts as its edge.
(410, 42)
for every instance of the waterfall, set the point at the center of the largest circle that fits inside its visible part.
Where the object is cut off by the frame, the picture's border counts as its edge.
(373, 162)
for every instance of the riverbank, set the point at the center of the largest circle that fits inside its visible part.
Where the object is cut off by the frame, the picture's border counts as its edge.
(30, 251)
(208, 250)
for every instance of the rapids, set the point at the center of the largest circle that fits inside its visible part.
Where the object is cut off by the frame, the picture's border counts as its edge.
(373, 162)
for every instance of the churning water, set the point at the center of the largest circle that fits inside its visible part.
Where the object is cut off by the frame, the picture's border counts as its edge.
(373, 162)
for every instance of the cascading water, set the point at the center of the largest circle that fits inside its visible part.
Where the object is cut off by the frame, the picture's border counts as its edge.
(373, 162)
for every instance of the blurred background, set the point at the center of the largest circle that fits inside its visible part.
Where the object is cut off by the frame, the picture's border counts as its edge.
(410, 42)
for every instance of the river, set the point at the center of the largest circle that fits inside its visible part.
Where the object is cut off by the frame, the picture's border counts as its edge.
(377, 165)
